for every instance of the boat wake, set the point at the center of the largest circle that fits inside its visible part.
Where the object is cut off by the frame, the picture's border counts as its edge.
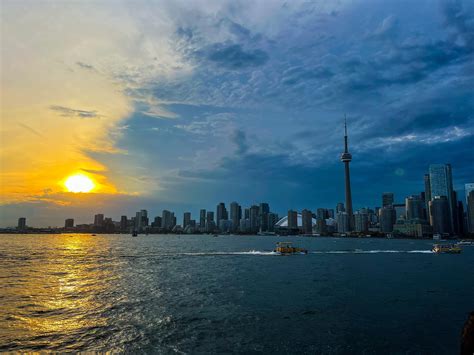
(272, 253)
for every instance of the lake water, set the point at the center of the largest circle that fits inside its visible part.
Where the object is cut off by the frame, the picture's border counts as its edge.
(199, 294)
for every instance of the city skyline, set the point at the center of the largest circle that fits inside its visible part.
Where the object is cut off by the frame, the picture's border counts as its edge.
(177, 105)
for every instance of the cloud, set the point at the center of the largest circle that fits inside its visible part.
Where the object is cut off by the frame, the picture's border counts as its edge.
(233, 56)
(69, 112)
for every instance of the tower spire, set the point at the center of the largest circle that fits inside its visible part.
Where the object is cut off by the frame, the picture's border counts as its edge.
(346, 158)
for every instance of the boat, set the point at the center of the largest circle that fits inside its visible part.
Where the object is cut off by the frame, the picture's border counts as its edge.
(466, 242)
(446, 248)
(286, 248)
(134, 234)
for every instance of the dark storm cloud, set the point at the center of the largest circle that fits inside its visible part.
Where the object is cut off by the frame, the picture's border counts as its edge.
(70, 112)
(233, 56)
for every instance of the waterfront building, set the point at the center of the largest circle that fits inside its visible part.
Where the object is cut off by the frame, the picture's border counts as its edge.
(244, 225)
(321, 213)
(387, 199)
(263, 211)
(69, 223)
(416, 228)
(292, 219)
(361, 221)
(123, 223)
(99, 220)
(427, 193)
(225, 225)
(414, 207)
(440, 215)
(340, 207)
(467, 189)
(343, 222)
(168, 220)
(387, 218)
(321, 226)
(306, 221)
(141, 220)
(157, 222)
(331, 213)
(186, 219)
(254, 218)
(235, 215)
(272, 221)
(441, 184)
(210, 224)
(400, 210)
(470, 211)
(221, 213)
(21, 223)
(346, 158)
(202, 220)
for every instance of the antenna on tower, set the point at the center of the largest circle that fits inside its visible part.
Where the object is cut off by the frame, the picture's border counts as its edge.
(345, 125)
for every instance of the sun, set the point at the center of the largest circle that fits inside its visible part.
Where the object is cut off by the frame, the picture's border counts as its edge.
(79, 183)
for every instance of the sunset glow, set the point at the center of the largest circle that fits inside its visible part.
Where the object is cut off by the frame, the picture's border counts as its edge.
(79, 183)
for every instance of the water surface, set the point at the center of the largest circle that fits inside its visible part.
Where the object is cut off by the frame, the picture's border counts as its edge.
(166, 293)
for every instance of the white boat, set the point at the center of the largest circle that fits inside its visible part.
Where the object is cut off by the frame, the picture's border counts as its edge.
(466, 242)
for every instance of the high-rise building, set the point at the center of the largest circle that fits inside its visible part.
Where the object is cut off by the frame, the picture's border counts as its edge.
(123, 223)
(361, 222)
(254, 218)
(321, 226)
(307, 221)
(343, 222)
(331, 213)
(210, 224)
(441, 184)
(156, 222)
(235, 216)
(470, 211)
(292, 219)
(340, 207)
(321, 213)
(414, 207)
(387, 199)
(346, 158)
(263, 211)
(21, 223)
(221, 213)
(186, 219)
(427, 193)
(202, 219)
(99, 220)
(272, 220)
(167, 220)
(141, 220)
(387, 218)
(69, 223)
(440, 215)
(467, 189)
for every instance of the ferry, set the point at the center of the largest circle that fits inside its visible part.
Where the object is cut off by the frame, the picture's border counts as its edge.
(466, 243)
(286, 248)
(446, 248)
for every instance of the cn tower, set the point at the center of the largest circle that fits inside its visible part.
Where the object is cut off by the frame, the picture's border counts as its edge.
(346, 158)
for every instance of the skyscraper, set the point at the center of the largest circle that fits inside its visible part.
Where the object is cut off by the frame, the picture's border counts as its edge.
(468, 188)
(221, 213)
(387, 218)
(186, 219)
(441, 184)
(263, 211)
(470, 211)
(69, 223)
(346, 158)
(361, 222)
(99, 220)
(440, 215)
(414, 207)
(21, 223)
(292, 219)
(307, 221)
(387, 199)
(254, 218)
(235, 215)
(124, 223)
(427, 193)
(202, 219)
(167, 220)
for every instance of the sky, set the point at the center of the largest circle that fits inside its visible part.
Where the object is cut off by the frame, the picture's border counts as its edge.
(184, 104)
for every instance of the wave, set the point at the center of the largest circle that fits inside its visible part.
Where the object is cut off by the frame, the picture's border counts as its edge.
(272, 253)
